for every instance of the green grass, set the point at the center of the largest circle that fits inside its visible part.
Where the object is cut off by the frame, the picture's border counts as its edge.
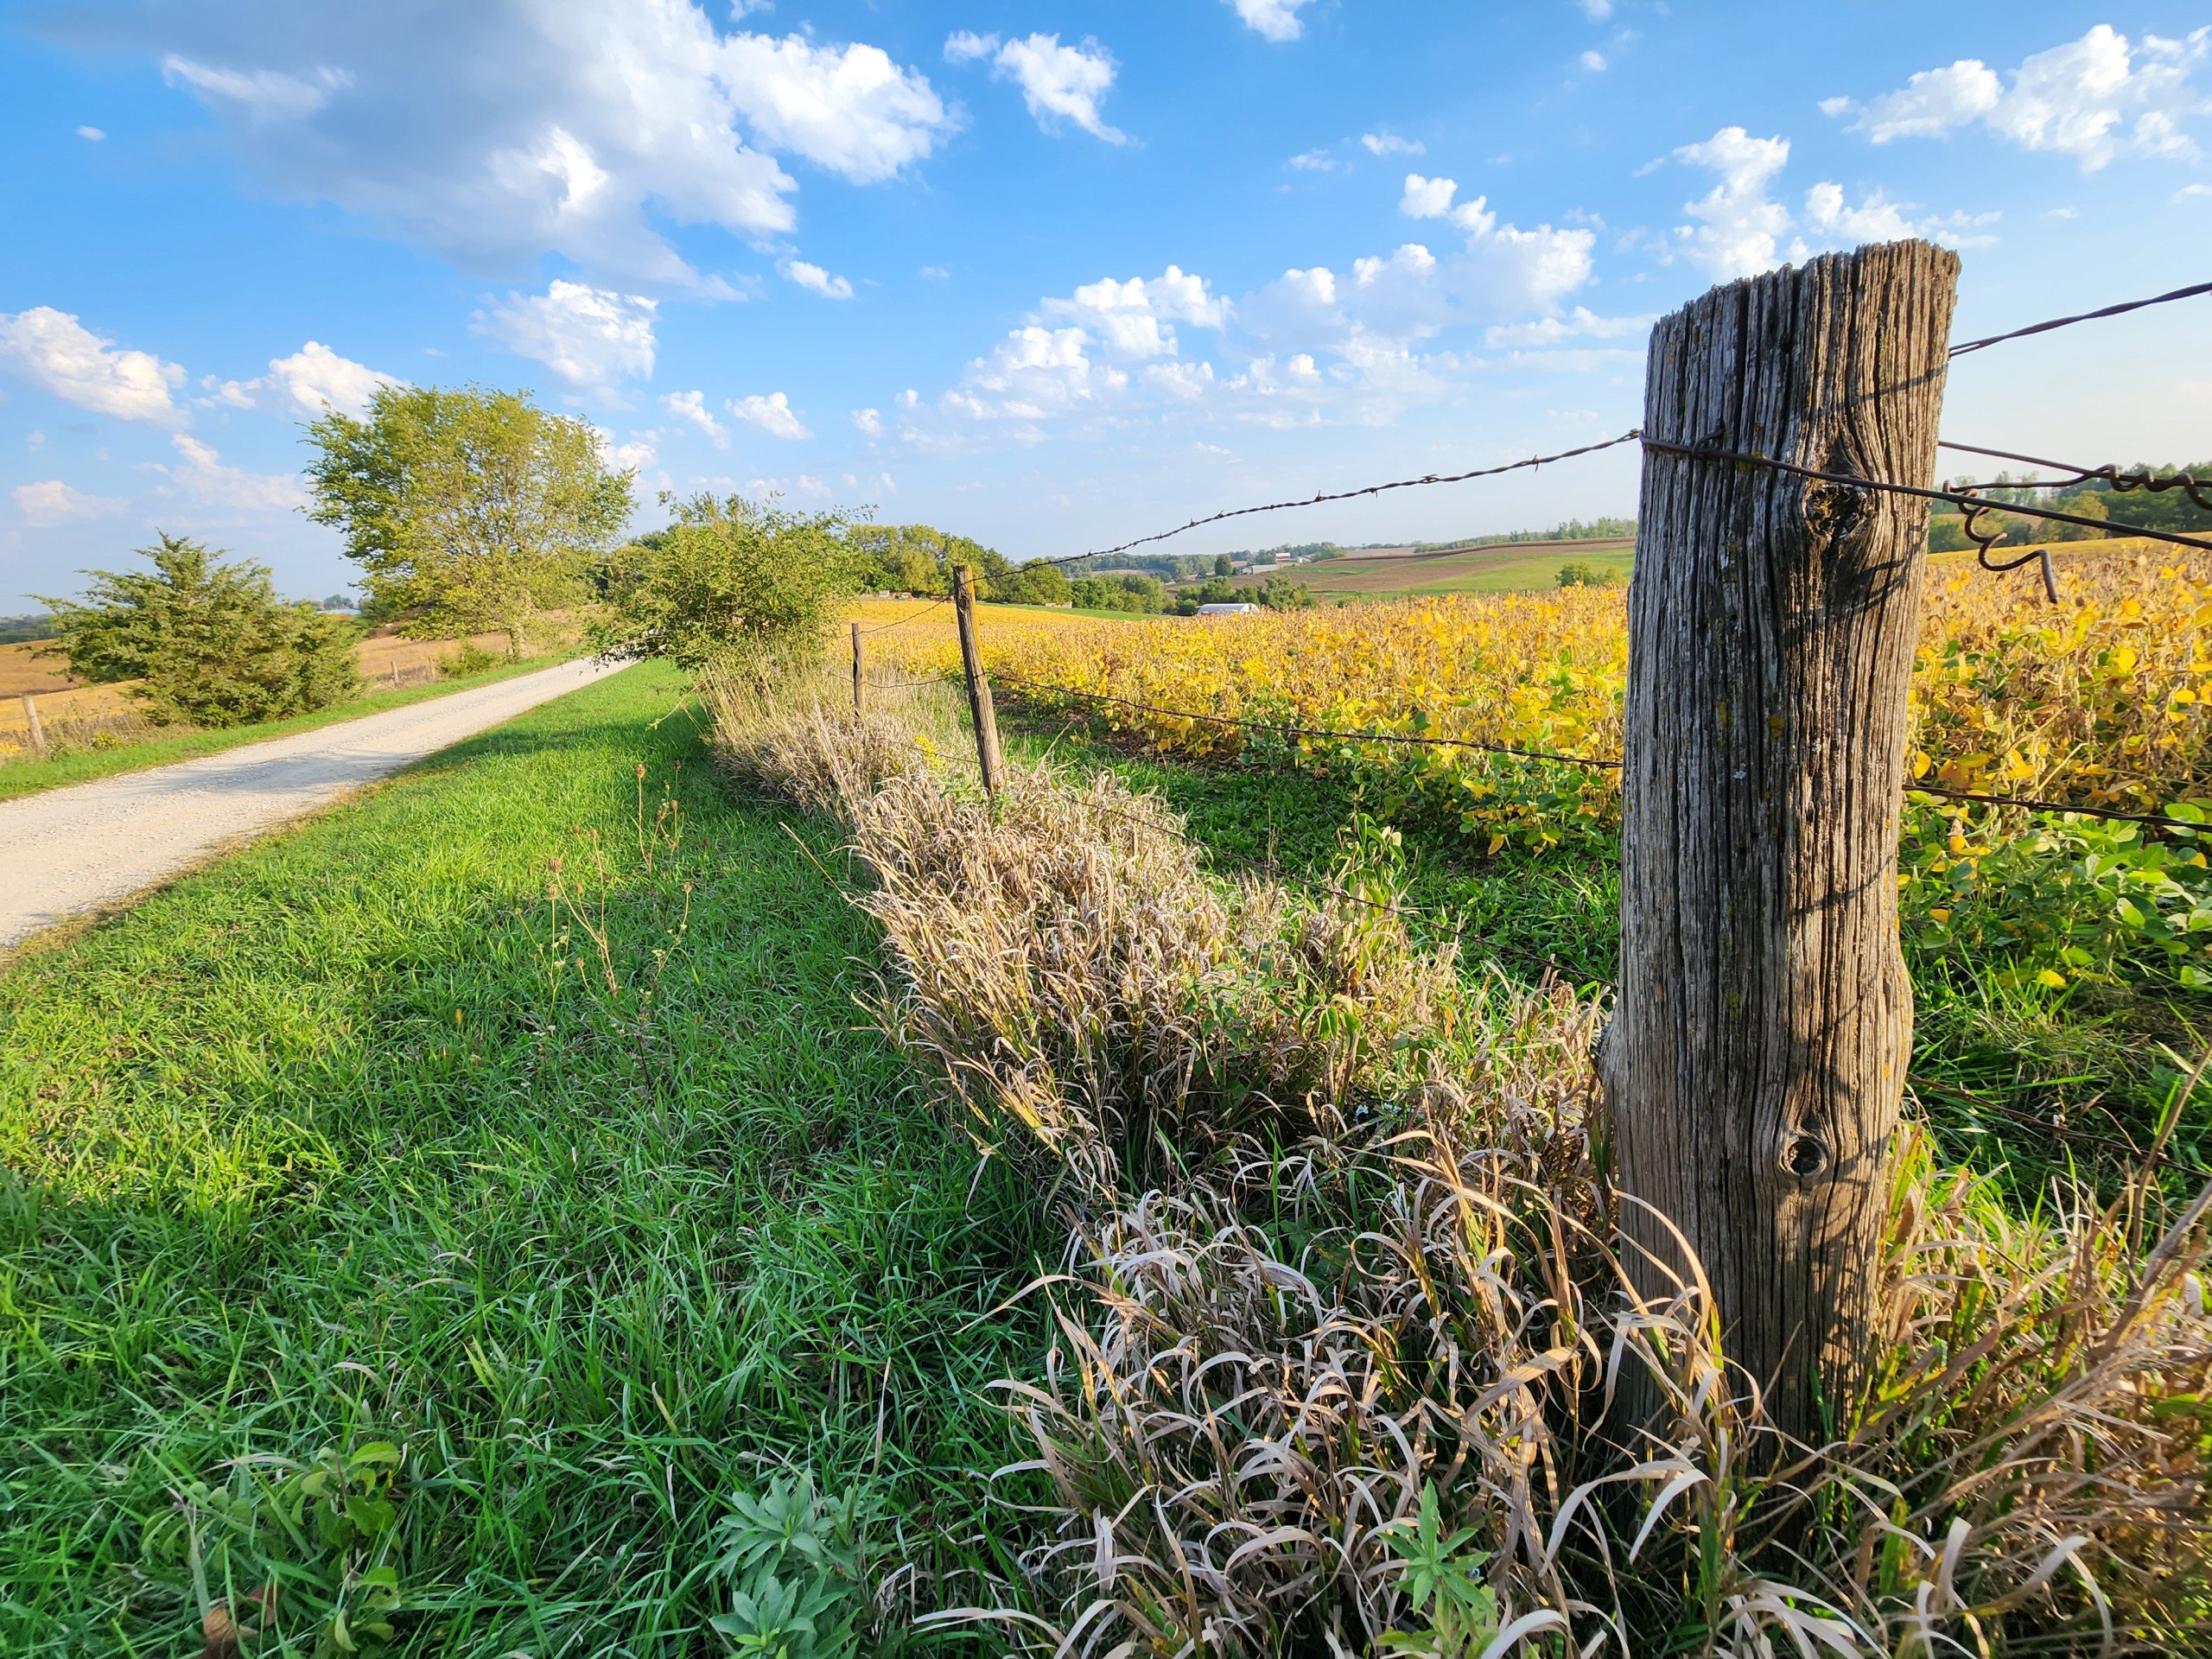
(2089, 1071)
(315, 1150)
(28, 777)
(1523, 574)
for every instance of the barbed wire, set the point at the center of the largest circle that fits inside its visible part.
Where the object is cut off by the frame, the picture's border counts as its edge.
(1889, 487)
(2158, 821)
(902, 621)
(2124, 307)
(1408, 739)
(2155, 820)
(1347, 495)
(2128, 483)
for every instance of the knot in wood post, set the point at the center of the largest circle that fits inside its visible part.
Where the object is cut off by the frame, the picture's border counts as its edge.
(1757, 1054)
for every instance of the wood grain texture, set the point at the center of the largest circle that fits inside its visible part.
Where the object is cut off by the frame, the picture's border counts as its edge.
(1757, 1057)
(979, 687)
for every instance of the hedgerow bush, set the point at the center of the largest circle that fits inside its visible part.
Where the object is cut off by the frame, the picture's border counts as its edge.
(205, 642)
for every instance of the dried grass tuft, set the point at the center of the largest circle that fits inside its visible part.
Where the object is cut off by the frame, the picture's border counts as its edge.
(1345, 1296)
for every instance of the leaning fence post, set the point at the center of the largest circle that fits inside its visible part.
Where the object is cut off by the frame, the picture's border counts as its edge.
(859, 668)
(979, 688)
(37, 730)
(1757, 1052)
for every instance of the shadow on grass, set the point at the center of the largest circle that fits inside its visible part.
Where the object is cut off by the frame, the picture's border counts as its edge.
(351, 1140)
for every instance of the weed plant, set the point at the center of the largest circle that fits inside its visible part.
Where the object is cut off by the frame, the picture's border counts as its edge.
(1344, 1345)
(430, 1230)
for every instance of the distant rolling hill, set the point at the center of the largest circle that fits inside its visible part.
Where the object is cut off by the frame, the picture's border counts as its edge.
(1502, 567)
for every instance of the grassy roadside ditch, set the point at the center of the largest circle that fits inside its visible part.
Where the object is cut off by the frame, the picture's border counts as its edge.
(2011, 1077)
(459, 1241)
(1345, 1316)
(21, 778)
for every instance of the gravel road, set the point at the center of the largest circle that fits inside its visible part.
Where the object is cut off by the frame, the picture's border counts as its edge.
(83, 847)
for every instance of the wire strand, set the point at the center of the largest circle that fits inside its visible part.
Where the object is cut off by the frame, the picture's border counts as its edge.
(2155, 820)
(902, 621)
(1407, 739)
(1344, 495)
(2158, 820)
(2120, 310)
(1852, 481)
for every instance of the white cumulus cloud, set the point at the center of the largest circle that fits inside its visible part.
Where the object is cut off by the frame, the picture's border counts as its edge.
(1276, 19)
(58, 354)
(592, 338)
(203, 480)
(1388, 144)
(1503, 268)
(495, 132)
(1060, 82)
(51, 502)
(816, 280)
(772, 414)
(691, 407)
(1739, 226)
(2096, 99)
(1134, 318)
(310, 382)
(1581, 323)
(870, 421)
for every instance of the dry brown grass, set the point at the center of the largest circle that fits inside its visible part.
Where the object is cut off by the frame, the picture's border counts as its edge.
(1342, 1245)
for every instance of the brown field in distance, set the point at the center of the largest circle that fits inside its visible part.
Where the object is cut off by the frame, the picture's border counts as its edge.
(386, 661)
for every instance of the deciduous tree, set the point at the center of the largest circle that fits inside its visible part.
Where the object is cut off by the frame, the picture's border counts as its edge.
(469, 510)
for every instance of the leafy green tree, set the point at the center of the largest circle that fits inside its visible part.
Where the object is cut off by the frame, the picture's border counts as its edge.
(1030, 584)
(1223, 565)
(207, 642)
(469, 510)
(731, 584)
(1280, 592)
(1123, 593)
(1580, 573)
(918, 559)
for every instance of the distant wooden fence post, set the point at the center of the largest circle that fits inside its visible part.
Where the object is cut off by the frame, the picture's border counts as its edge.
(860, 668)
(37, 729)
(979, 688)
(1756, 1058)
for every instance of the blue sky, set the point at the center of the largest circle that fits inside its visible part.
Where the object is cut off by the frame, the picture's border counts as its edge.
(1050, 275)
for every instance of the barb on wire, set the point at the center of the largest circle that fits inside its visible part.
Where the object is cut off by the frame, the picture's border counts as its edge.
(2141, 478)
(1852, 481)
(2086, 316)
(1407, 738)
(1347, 495)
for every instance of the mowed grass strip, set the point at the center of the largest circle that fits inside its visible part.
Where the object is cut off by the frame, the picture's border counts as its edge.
(351, 1139)
(20, 776)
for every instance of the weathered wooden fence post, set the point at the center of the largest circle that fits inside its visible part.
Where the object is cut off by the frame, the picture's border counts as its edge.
(37, 729)
(979, 688)
(1757, 1054)
(859, 669)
